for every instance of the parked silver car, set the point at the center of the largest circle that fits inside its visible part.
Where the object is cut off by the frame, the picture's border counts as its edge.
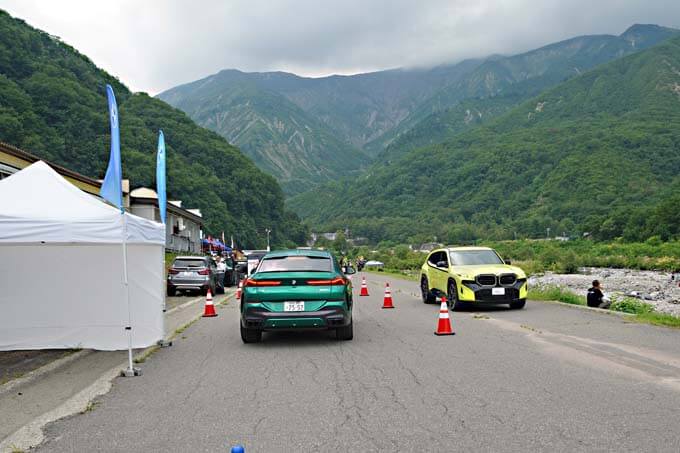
(192, 273)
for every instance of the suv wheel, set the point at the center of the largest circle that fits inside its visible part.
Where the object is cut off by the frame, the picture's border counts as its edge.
(518, 305)
(428, 297)
(250, 335)
(345, 333)
(452, 297)
(172, 292)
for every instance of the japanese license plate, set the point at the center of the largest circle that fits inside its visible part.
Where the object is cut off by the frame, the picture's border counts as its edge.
(498, 291)
(293, 306)
(186, 274)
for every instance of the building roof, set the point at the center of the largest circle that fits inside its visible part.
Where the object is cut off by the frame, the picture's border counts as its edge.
(144, 195)
(20, 159)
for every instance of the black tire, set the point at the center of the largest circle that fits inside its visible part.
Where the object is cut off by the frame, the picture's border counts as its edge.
(518, 305)
(345, 333)
(452, 297)
(172, 292)
(250, 335)
(204, 290)
(425, 293)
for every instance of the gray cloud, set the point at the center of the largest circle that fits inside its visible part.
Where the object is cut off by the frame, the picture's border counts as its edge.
(152, 45)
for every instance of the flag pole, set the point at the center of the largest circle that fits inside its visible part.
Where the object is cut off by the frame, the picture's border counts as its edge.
(131, 370)
(112, 191)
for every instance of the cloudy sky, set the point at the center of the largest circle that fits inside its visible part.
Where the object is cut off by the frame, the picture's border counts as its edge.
(153, 45)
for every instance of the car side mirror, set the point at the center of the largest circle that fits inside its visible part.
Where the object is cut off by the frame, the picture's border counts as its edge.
(508, 262)
(349, 270)
(443, 264)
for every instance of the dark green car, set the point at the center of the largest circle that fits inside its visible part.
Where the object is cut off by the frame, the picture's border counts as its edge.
(297, 289)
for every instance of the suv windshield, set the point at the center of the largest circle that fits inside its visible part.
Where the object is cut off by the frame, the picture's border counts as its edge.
(189, 263)
(296, 263)
(474, 257)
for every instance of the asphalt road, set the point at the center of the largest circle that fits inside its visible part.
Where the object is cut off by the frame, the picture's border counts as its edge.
(547, 378)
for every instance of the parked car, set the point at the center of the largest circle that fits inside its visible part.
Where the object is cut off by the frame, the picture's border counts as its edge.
(472, 275)
(192, 273)
(297, 289)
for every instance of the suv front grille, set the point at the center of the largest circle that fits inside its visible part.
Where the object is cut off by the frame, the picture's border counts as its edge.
(507, 279)
(486, 280)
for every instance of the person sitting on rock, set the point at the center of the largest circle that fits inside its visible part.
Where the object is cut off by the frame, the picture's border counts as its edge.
(596, 296)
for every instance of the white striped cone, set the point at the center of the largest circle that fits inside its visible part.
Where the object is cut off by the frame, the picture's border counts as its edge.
(209, 310)
(364, 287)
(387, 300)
(444, 324)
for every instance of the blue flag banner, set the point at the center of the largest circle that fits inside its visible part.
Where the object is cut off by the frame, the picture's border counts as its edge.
(160, 176)
(112, 187)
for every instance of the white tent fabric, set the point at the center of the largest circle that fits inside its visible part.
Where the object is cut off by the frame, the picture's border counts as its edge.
(38, 204)
(61, 268)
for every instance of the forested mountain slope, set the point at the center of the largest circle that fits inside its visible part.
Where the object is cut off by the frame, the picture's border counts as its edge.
(53, 103)
(308, 130)
(501, 83)
(599, 153)
(274, 132)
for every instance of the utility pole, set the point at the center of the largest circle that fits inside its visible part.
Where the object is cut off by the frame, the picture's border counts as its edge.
(268, 231)
(547, 230)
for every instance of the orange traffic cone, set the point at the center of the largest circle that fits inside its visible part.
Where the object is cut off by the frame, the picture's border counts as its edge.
(209, 310)
(238, 290)
(387, 301)
(364, 287)
(444, 325)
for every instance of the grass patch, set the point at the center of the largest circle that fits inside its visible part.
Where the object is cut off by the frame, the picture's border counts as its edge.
(659, 319)
(91, 405)
(146, 354)
(405, 274)
(642, 312)
(630, 305)
(556, 293)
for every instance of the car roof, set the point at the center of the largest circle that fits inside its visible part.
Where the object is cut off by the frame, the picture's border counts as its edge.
(191, 257)
(280, 253)
(466, 248)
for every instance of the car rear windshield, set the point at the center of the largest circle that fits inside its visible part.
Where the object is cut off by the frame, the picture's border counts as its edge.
(189, 263)
(474, 257)
(296, 263)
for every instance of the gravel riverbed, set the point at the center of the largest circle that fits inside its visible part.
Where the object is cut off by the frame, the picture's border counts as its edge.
(660, 289)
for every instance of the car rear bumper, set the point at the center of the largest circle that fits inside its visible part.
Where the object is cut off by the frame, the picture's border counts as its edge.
(188, 285)
(327, 318)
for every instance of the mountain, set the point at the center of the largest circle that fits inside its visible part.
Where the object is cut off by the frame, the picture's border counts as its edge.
(303, 130)
(500, 83)
(597, 153)
(278, 135)
(53, 103)
(291, 126)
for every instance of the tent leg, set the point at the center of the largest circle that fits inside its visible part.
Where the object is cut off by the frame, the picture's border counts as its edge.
(130, 371)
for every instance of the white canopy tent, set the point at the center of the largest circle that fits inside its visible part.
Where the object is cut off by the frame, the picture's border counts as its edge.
(62, 268)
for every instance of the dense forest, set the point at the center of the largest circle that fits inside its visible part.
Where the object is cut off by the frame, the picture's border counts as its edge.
(53, 104)
(597, 154)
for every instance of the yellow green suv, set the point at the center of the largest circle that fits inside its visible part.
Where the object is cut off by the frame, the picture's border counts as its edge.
(472, 275)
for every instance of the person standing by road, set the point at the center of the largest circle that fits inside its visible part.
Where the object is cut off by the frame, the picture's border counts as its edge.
(596, 297)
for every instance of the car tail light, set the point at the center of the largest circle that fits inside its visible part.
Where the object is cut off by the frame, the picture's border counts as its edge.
(252, 282)
(173, 271)
(204, 272)
(335, 281)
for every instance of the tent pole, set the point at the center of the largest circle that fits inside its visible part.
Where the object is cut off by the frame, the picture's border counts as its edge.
(131, 370)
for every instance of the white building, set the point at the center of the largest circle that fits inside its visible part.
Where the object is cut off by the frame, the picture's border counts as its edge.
(184, 226)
